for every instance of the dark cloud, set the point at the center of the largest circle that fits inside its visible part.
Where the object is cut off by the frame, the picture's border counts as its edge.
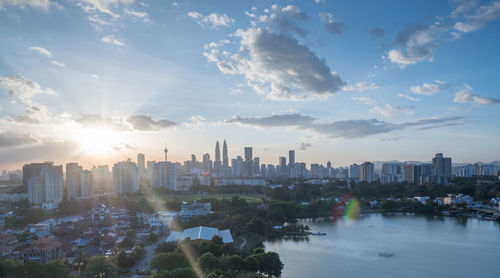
(147, 123)
(284, 19)
(9, 139)
(304, 146)
(273, 121)
(333, 26)
(346, 129)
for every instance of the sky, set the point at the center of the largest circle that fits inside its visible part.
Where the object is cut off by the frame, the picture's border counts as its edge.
(98, 81)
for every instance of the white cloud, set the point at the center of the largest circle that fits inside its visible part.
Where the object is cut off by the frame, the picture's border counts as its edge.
(363, 100)
(418, 42)
(280, 67)
(141, 15)
(285, 19)
(333, 26)
(465, 95)
(360, 87)
(463, 6)
(414, 99)
(212, 20)
(481, 16)
(112, 40)
(429, 89)
(41, 50)
(22, 90)
(104, 6)
(41, 4)
(58, 63)
(388, 110)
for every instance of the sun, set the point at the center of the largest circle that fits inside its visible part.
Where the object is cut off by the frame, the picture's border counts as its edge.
(97, 140)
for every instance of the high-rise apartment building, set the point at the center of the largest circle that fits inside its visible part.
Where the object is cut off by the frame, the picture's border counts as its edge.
(125, 177)
(165, 175)
(367, 172)
(73, 181)
(141, 164)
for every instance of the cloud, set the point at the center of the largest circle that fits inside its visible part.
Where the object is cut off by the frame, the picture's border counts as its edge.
(463, 6)
(284, 19)
(95, 120)
(304, 146)
(346, 129)
(429, 89)
(41, 4)
(147, 123)
(465, 95)
(280, 67)
(10, 139)
(212, 20)
(124, 146)
(45, 150)
(480, 17)
(95, 76)
(22, 90)
(137, 14)
(277, 120)
(59, 64)
(388, 110)
(419, 42)
(363, 100)
(408, 97)
(333, 26)
(360, 87)
(41, 50)
(112, 40)
(104, 6)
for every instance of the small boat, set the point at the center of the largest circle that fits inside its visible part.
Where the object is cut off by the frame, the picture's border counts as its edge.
(385, 254)
(318, 234)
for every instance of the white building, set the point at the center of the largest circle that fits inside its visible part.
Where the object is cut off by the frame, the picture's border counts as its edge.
(164, 175)
(367, 172)
(125, 177)
(195, 209)
(201, 233)
(47, 189)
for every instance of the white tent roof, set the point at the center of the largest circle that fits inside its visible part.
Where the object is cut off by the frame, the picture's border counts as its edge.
(201, 233)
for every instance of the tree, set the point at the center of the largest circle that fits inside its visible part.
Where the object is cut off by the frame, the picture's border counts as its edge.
(100, 266)
(236, 262)
(127, 243)
(169, 261)
(270, 264)
(207, 261)
(166, 247)
(124, 261)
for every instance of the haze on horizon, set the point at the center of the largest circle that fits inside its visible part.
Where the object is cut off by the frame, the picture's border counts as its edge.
(98, 81)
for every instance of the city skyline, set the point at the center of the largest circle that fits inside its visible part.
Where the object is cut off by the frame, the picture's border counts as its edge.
(123, 77)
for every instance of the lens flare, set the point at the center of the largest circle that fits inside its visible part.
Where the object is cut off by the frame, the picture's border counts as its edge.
(346, 210)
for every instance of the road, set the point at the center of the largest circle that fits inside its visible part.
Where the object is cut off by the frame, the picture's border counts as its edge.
(148, 254)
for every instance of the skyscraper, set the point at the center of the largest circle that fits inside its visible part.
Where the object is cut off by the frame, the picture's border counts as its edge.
(32, 170)
(367, 172)
(164, 175)
(87, 184)
(282, 163)
(291, 163)
(225, 159)
(125, 177)
(73, 181)
(217, 162)
(48, 186)
(247, 169)
(141, 164)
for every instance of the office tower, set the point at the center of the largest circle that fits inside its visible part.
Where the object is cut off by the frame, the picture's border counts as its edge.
(87, 184)
(263, 171)
(207, 163)
(315, 171)
(125, 177)
(329, 169)
(282, 164)
(367, 172)
(164, 175)
(32, 170)
(256, 166)
(354, 171)
(193, 161)
(391, 172)
(73, 181)
(412, 173)
(141, 164)
(291, 162)
(217, 162)
(166, 152)
(225, 159)
(442, 165)
(247, 169)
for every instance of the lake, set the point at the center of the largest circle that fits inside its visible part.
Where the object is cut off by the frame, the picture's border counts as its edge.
(397, 245)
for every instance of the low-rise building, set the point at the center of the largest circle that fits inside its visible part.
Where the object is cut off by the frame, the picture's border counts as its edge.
(42, 250)
(201, 233)
(195, 209)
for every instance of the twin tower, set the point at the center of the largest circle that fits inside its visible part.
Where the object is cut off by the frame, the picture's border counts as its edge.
(218, 166)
